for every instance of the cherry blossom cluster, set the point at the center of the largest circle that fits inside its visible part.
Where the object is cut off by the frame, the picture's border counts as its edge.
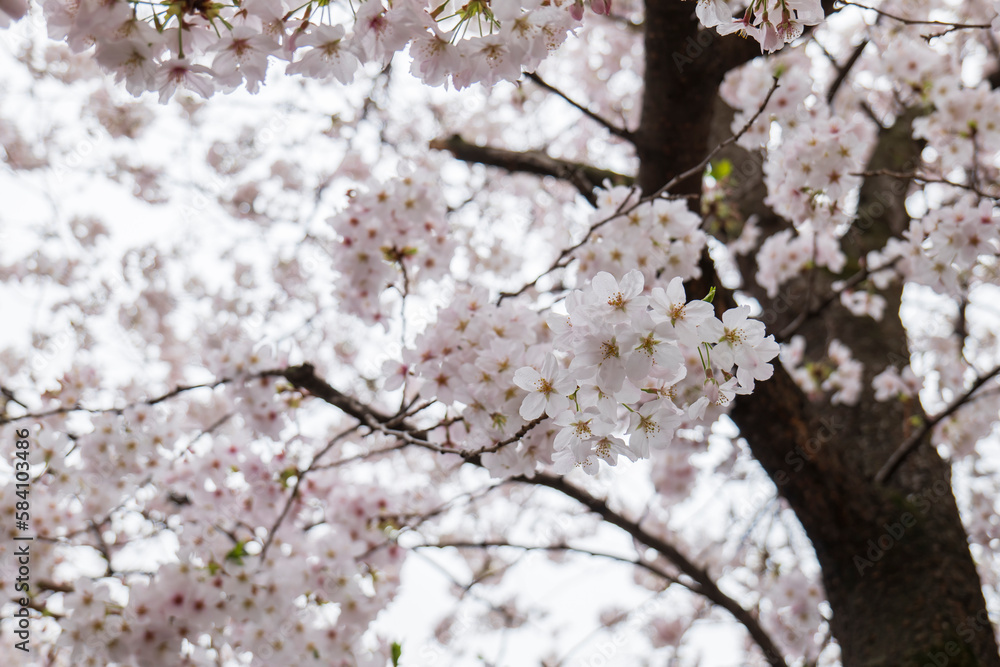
(394, 233)
(943, 249)
(810, 177)
(891, 384)
(467, 359)
(662, 238)
(845, 379)
(792, 610)
(917, 70)
(839, 372)
(792, 103)
(327, 590)
(773, 23)
(810, 172)
(810, 184)
(963, 128)
(326, 579)
(863, 302)
(209, 47)
(607, 375)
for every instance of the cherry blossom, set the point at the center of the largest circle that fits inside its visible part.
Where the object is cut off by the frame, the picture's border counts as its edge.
(548, 388)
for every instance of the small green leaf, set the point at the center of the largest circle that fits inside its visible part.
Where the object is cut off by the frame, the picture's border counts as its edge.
(720, 169)
(711, 295)
(237, 553)
(287, 474)
(397, 651)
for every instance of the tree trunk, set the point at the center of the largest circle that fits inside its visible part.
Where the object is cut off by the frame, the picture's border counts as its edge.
(895, 558)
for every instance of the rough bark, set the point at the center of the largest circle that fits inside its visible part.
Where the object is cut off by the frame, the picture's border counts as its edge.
(896, 564)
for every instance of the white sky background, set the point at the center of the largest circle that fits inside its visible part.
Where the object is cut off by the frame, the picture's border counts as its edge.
(575, 592)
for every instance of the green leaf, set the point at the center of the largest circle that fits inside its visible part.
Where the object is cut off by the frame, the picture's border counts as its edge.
(237, 553)
(397, 651)
(720, 169)
(711, 295)
(287, 474)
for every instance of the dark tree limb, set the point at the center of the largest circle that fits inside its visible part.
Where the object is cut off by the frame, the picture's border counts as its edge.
(583, 177)
(705, 584)
(844, 70)
(304, 377)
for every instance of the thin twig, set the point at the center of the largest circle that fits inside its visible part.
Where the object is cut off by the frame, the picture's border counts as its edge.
(810, 313)
(295, 490)
(844, 70)
(911, 443)
(79, 408)
(608, 125)
(908, 21)
(563, 547)
(971, 187)
(564, 259)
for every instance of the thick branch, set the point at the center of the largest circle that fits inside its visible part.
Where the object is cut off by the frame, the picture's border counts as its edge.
(706, 585)
(583, 177)
(304, 377)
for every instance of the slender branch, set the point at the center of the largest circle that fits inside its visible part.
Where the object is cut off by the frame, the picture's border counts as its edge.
(521, 432)
(908, 21)
(603, 122)
(208, 431)
(971, 187)
(706, 584)
(102, 546)
(63, 410)
(625, 208)
(911, 443)
(9, 395)
(585, 178)
(810, 313)
(844, 70)
(295, 490)
(563, 547)
(360, 457)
